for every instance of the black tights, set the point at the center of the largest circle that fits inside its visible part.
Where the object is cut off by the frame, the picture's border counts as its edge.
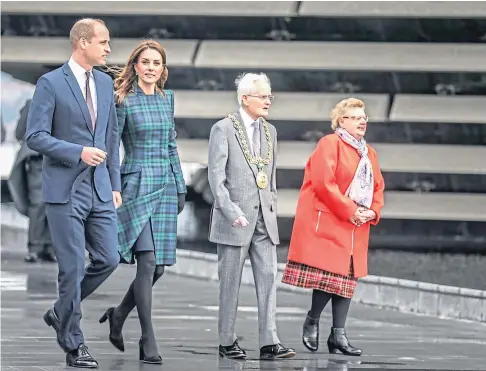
(140, 294)
(340, 307)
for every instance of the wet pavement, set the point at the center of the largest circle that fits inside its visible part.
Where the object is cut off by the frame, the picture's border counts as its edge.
(185, 317)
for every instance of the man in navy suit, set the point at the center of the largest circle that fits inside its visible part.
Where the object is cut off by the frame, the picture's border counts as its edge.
(72, 122)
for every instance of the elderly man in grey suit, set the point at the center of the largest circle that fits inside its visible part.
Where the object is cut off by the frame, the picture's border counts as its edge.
(241, 172)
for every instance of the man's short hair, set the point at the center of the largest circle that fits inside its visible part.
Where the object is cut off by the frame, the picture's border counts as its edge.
(245, 84)
(84, 28)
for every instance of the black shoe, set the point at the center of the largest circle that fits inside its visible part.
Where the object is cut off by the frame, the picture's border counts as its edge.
(155, 360)
(31, 257)
(310, 333)
(80, 358)
(271, 352)
(232, 351)
(117, 341)
(339, 341)
(48, 257)
(51, 320)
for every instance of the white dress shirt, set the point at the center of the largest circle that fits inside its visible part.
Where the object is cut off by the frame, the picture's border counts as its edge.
(248, 124)
(80, 75)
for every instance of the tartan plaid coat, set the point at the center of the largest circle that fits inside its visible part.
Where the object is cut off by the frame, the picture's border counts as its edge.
(151, 174)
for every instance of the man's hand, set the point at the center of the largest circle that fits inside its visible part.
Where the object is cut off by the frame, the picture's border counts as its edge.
(93, 156)
(241, 221)
(117, 199)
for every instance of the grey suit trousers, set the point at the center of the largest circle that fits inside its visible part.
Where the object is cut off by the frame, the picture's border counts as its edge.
(263, 257)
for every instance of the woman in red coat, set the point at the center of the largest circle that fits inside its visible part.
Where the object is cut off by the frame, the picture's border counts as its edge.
(341, 196)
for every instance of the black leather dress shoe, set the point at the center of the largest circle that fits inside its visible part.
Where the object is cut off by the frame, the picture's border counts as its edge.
(276, 351)
(232, 351)
(80, 358)
(51, 320)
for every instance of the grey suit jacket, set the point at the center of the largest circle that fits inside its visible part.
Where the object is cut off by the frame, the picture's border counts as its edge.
(233, 183)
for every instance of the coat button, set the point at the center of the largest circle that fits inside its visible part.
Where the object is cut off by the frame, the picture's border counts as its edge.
(255, 207)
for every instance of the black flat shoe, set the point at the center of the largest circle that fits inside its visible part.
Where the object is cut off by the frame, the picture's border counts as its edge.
(339, 341)
(232, 351)
(80, 358)
(276, 351)
(117, 341)
(154, 360)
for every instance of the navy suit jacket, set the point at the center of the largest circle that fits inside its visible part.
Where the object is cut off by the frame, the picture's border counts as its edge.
(59, 126)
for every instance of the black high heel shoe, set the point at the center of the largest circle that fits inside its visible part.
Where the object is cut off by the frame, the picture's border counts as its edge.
(339, 341)
(116, 341)
(155, 360)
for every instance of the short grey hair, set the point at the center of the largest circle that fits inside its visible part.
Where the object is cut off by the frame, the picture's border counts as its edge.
(245, 84)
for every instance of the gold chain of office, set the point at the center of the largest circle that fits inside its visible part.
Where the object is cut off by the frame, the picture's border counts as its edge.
(246, 150)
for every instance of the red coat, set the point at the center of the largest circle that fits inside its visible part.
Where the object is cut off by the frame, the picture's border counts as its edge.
(322, 236)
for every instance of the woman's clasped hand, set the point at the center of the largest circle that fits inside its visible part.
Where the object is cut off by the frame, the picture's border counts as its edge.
(362, 216)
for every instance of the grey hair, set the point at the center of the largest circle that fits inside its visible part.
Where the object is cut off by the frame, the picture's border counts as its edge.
(245, 84)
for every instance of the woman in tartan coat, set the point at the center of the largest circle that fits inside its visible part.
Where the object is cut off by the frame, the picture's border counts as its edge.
(341, 195)
(153, 187)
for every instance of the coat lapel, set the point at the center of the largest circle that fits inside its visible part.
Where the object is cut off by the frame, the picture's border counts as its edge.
(238, 117)
(78, 94)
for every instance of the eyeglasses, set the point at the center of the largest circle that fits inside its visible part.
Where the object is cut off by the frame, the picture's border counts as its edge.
(356, 118)
(262, 97)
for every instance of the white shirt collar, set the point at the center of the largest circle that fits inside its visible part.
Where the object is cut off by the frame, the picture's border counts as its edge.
(78, 71)
(247, 120)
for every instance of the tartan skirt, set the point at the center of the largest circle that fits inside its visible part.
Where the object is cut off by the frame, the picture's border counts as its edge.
(158, 208)
(302, 275)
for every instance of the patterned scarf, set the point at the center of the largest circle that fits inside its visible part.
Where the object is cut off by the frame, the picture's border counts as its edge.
(361, 188)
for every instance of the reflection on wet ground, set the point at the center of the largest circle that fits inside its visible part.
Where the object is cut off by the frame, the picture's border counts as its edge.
(185, 316)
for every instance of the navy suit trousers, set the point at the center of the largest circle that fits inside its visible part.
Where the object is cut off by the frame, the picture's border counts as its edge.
(85, 222)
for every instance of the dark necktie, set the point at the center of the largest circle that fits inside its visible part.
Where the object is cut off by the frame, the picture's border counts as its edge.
(89, 100)
(256, 139)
